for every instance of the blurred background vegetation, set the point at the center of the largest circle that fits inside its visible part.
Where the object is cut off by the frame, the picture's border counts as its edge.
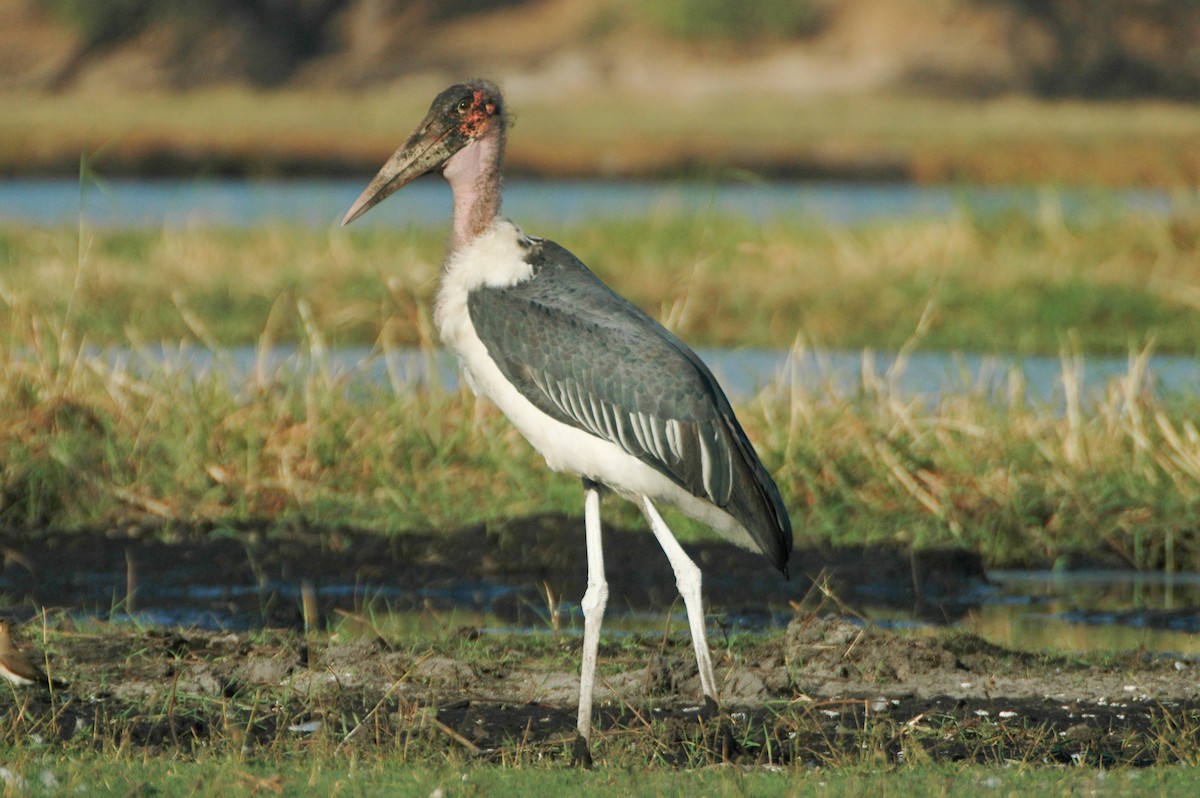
(1098, 48)
(699, 78)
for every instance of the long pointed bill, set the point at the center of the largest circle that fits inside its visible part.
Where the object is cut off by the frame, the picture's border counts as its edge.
(424, 151)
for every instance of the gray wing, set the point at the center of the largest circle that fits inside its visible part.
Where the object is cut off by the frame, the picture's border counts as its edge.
(589, 358)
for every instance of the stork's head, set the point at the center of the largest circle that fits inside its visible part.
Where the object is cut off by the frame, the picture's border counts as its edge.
(459, 118)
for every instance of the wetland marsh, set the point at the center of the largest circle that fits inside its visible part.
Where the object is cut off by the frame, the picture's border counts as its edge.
(155, 454)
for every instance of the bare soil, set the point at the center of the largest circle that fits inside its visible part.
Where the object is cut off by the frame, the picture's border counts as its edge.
(827, 690)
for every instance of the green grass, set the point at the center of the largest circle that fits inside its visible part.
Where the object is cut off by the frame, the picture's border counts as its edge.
(84, 445)
(309, 775)
(978, 283)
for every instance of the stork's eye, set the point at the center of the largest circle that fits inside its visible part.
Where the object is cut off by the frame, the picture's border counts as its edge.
(464, 105)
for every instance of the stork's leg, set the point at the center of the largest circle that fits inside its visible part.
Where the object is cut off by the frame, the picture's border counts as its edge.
(594, 600)
(687, 579)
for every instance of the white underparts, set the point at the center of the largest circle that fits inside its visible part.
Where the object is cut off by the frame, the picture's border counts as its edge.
(496, 258)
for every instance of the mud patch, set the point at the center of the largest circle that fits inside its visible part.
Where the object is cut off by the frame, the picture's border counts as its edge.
(826, 691)
(252, 575)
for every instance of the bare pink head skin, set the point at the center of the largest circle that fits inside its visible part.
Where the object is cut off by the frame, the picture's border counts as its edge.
(463, 137)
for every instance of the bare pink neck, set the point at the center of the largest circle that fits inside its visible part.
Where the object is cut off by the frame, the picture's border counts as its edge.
(474, 175)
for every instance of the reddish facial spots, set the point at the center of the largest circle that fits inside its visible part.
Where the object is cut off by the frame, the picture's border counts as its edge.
(475, 121)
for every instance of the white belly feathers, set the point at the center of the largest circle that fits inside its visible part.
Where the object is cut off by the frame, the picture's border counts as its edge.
(496, 258)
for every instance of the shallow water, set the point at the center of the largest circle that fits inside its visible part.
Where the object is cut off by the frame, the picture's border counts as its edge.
(321, 203)
(1097, 610)
(528, 577)
(528, 574)
(1092, 611)
(742, 372)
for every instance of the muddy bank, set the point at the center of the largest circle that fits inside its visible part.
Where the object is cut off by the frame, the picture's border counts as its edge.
(253, 575)
(827, 691)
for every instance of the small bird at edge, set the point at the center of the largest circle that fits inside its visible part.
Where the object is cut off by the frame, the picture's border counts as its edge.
(17, 667)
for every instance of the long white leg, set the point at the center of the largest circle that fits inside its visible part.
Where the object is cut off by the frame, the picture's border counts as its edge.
(594, 601)
(687, 579)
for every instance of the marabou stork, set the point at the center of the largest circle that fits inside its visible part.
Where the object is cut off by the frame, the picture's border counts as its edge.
(597, 386)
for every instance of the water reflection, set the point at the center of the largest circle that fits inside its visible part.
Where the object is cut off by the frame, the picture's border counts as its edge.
(1023, 630)
(1086, 611)
(1098, 610)
(1032, 611)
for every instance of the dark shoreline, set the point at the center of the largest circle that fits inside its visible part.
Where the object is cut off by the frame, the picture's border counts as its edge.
(176, 163)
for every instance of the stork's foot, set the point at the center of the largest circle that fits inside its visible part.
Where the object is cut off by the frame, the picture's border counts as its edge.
(581, 753)
(709, 709)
